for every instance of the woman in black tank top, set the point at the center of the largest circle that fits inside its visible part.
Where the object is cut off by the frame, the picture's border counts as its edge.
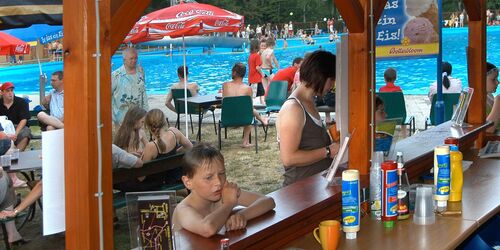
(305, 146)
(165, 142)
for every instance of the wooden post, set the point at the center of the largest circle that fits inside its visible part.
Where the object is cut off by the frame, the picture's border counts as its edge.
(476, 62)
(82, 225)
(356, 15)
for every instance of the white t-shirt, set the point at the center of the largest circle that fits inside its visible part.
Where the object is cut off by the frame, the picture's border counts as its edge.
(455, 87)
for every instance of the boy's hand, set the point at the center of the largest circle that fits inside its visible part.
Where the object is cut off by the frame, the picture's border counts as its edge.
(230, 193)
(236, 222)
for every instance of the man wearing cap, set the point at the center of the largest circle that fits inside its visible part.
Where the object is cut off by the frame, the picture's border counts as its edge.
(55, 103)
(17, 110)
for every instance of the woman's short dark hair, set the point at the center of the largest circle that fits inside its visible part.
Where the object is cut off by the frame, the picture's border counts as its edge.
(201, 155)
(239, 70)
(378, 102)
(316, 69)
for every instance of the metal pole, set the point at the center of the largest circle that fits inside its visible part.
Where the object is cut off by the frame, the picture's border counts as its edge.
(185, 88)
(439, 107)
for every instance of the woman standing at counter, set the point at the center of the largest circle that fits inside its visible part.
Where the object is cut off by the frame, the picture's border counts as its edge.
(492, 103)
(305, 146)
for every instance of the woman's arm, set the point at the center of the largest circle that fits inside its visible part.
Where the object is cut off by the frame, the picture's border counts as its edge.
(494, 115)
(290, 124)
(186, 144)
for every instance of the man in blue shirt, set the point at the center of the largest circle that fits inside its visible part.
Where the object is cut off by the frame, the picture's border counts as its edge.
(55, 103)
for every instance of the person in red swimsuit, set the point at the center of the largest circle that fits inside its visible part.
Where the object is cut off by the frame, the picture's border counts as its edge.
(289, 73)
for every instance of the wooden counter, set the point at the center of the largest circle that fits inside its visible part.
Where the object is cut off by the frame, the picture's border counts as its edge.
(301, 206)
(418, 150)
(481, 201)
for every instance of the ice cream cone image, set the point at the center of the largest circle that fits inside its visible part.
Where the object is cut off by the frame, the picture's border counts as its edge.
(423, 8)
(419, 30)
(432, 15)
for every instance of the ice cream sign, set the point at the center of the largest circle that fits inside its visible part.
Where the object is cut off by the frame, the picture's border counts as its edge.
(408, 28)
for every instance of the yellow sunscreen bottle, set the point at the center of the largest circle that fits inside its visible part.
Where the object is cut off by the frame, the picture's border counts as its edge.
(457, 177)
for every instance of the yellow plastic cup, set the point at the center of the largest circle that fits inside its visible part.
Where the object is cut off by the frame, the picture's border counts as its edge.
(329, 234)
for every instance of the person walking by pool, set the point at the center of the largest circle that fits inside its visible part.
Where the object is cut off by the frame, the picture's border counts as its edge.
(390, 77)
(192, 87)
(17, 110)
(492, 103)
(290, 29)
(450, 84)
(305, 146)
(462, 17)
(268, 59)
(236, 87)
(288, 74)
(127, 87)
(55, 103)
(255, 74)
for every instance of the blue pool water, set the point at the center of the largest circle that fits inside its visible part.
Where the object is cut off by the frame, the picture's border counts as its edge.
(210, 71)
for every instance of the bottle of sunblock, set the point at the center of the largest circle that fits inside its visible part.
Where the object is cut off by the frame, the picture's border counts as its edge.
(389, 193)
(457, 176)
(350, 203)
(442, 176)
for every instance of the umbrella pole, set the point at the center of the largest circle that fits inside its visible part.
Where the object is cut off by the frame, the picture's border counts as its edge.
(42, 80)
(185, 87)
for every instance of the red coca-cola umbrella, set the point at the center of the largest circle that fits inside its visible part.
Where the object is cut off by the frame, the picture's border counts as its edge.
(10, 45)
(185, 19)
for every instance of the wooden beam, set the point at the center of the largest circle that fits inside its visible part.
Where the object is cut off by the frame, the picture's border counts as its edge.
(124, 14)
(476, 63)
(82, 225)
(360, 77)
(378, 8)
(474, 10)
(353, 14)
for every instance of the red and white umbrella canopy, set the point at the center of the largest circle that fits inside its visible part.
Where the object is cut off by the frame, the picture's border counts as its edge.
(185, 19)
(10, 45)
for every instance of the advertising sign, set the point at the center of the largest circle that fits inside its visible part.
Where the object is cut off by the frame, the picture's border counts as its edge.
(408, 28)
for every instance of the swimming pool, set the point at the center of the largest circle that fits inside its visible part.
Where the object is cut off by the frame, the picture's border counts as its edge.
(210, 71)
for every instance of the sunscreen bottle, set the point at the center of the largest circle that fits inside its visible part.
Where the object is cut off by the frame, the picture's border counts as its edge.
(389, 193)
(457, 176)
(350, 203)
(442, 176)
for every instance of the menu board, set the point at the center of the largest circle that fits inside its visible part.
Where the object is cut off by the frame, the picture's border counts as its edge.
(408, 28)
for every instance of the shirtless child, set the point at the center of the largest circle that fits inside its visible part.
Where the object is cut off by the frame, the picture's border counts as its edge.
(210, 204)
(236, 87)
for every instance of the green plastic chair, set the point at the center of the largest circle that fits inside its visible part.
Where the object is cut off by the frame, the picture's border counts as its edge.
(395, 107)
(450, 100)
(192, 109)
(237, 111)
(276, 96)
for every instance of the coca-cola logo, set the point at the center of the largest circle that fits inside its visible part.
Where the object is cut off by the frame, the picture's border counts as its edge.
(20, 48)
(175, 26)
(194, 12)
(221, 23)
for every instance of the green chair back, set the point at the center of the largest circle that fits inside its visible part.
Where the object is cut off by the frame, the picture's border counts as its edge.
(237, 111)
(179, 105)
(276, 95)
(394, 105)
(450, 100)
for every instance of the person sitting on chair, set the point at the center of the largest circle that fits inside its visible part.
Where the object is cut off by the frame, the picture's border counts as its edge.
(450, 84)
(236, 87)
(390, 76)
(192, 87)
(55, 103)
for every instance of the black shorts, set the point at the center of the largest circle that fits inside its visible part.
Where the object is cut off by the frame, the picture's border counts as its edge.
(257, 89)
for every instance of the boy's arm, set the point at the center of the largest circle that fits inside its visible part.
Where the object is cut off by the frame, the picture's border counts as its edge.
(209, 225)
(255, 204)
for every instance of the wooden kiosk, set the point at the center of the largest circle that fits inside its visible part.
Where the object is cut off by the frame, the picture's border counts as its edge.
(116, 17)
